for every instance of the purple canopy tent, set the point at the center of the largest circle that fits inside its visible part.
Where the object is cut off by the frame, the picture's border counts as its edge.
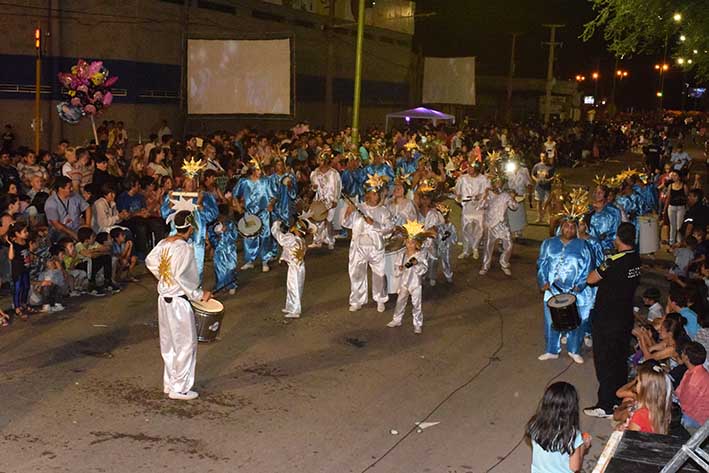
(420, 113)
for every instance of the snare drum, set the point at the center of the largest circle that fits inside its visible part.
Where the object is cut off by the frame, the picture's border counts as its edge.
(249, 225)
(564, 312)
(318, 211)
(208, 317)
(648, 234)
(393, 257)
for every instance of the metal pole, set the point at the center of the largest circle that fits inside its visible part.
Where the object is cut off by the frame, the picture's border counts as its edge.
(330, 70)
(358, 73)
(550, 69)
(662, 73)
(508, 107)
(615, 74)
(37, 91)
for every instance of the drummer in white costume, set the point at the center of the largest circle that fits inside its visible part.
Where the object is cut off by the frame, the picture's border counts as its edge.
(293, 254)
(519, 181)
(431, 219)
(446, 236)
(401, 208)
(369, 223)
(328, 186)
(469, 190)
(497, 203)
(172, 262)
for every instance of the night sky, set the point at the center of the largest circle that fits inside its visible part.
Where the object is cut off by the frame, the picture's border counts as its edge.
(482, 28)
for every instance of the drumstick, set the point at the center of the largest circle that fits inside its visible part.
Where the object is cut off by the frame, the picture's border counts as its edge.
(354, 204)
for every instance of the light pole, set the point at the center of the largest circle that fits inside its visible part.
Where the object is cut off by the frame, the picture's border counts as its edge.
(358, 73)
(677, 17)
(595, 76)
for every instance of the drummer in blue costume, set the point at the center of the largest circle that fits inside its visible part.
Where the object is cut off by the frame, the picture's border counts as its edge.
(604, 219)
(253, 195)
(206, 210)
(379, 166)
(223, 237)
(284, 188)
(408, 163)
(353, 178)
(562, 268)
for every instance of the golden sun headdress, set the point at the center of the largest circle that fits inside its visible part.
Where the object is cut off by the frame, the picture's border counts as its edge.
(576, 204)
(375, 182)
(415, 230)
(192, 167)
(427, 186)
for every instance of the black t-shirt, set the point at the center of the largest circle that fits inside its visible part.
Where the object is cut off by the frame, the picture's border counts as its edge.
(620, 275)
(697, 215)
(21, 261)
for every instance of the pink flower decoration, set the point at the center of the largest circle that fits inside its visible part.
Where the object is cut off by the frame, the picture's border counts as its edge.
(95, 67)
(110, 81)
(90, 109)
(83, 88)
(107, 99)
(76, 101)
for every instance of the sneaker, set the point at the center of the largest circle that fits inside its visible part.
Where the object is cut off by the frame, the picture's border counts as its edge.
(315, 245)
(188, 396)
(563, 339)
(432, 282)
(394, 324)
(463, 255)
(46, 308)
(341, 236)
(476, 254)
(354, 307)
(507, 271)
(232, 291)
(265, 268)
(596, 411)
(113, 289)
(292, 315)
(285, 311)
(57, 307)
(548, 356)
(482, 272)
(417, 330)
(74, 294)
(96, 293)
(576, 357)
(331, 246)
(381, 307)
(132, 279)
(247, 266)
(588, 341)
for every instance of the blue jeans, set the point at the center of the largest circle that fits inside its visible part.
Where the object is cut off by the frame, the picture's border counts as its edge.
(689, 423)
(552, 338)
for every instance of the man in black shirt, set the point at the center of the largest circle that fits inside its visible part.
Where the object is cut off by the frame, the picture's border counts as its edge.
(612, 321)
(697, 215)
(652, 156)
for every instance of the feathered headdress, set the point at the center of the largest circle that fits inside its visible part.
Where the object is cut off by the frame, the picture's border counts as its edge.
(576, 205)
(192, 167)
(403, 179)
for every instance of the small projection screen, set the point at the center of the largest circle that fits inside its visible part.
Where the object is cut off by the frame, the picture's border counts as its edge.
(449, 80)
(240, 77)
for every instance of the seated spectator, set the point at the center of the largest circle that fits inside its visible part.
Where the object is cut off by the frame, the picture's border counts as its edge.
(101, 175)
(100, 256)
(139, 221)
(684, 255)
(8, 172)
(671, 331)
(105, 211)
(652, 410)
(693, 391)
(28, 168)
(651, 300)
(86, 166)
(678, 302)
(115, 162)
(64, 209)
(156, 165)
(75, 280)
(71, 168)
(123, 253)
(44, 290)
(557, 441)
(37, 185)
(703, 332)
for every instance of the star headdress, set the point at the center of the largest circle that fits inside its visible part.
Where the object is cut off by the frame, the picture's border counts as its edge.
(179, 205)
(576, 205)
(255, 163)
(375, 182)
(325, 155)
(415, 230)
(443, 208)
(493, 156)
(404, 179)
(192, 167)
(601, 180)
(411, 145)
(427, 186)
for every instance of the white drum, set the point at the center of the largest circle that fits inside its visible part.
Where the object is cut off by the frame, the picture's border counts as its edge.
(517, 218)
(393, 257)
(648, 234)
(339, 214)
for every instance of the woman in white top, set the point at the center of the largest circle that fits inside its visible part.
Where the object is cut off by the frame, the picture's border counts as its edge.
(155, 165)
(105, 212)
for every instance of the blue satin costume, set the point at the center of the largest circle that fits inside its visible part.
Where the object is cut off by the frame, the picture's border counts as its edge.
(597, 259)
(353, 182)
(648, 198)
(407, 166)
(603, 226)
(382, 169)
(225, 255)
(204, 216)
(257, 195)
(565, 266)
(284, 208)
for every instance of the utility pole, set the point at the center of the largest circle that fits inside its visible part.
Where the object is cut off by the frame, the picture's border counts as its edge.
(358, 73)
(615, 77)
(37, 87)
(330, 71)
(550, 68)
(508, 106)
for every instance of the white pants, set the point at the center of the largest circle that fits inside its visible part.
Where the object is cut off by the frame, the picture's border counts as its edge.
(472, 230)
(324, 235)
(443, 255)
(294, 287)
(499, 232)
(178, 344)
(403, 299)
(360, 258)
(675, 213)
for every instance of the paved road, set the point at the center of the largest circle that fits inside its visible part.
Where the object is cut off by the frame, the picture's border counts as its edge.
(81, 390)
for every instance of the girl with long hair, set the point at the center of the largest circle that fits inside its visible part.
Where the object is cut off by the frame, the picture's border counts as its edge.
(652, 412)
(557, 441)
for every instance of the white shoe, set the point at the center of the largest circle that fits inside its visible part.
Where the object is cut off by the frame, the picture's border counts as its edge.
(315, 245)
(476, 253)
(381, 307)
(57, 307)
(292, 315)
(331, 246)
(285, 311)
(46, 308)
(482, 272)
(74, 294)
(265, 268)
(463, 255)
(247, 266)
(354, 307)
(588, 341)
(507, 271)
(576, 357)
(232, 291)
(597, 412)
(563, 339)
(188, 396)
(417, 330)
(432, 282)
(547, 356)
(394, 324)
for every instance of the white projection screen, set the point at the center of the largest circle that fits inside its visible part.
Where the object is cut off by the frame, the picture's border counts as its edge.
(449, 80)
(230, 77)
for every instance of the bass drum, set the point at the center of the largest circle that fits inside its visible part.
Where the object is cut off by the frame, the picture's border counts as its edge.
(393, 257)
(648, 234)
(564, 312)
(208, 317)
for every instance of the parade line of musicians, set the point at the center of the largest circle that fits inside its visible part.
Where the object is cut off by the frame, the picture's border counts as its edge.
(397, 214)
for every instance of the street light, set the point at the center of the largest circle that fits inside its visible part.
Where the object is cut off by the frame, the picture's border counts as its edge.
(680, 60)
(677, 17)
(659, 94)
(682, 38)
(580, 78)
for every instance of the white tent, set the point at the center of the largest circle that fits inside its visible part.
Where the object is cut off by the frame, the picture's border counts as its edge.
(420, 113)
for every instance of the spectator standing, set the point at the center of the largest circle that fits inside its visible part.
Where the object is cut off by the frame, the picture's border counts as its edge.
(542, 174)
(675, 207)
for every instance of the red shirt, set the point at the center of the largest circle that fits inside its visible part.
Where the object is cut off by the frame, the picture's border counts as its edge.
(693, 394)
(641, 418)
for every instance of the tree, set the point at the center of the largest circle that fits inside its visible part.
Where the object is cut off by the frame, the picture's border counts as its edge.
(647, 26)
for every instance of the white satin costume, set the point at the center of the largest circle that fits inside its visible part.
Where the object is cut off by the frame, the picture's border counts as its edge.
(469, 191)
(367, 249)
(293, 253)
(402, 211)
(328, 187)
(173, 264)
(447, 236)
(496, 206)
(431, 221)
(411, 287)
